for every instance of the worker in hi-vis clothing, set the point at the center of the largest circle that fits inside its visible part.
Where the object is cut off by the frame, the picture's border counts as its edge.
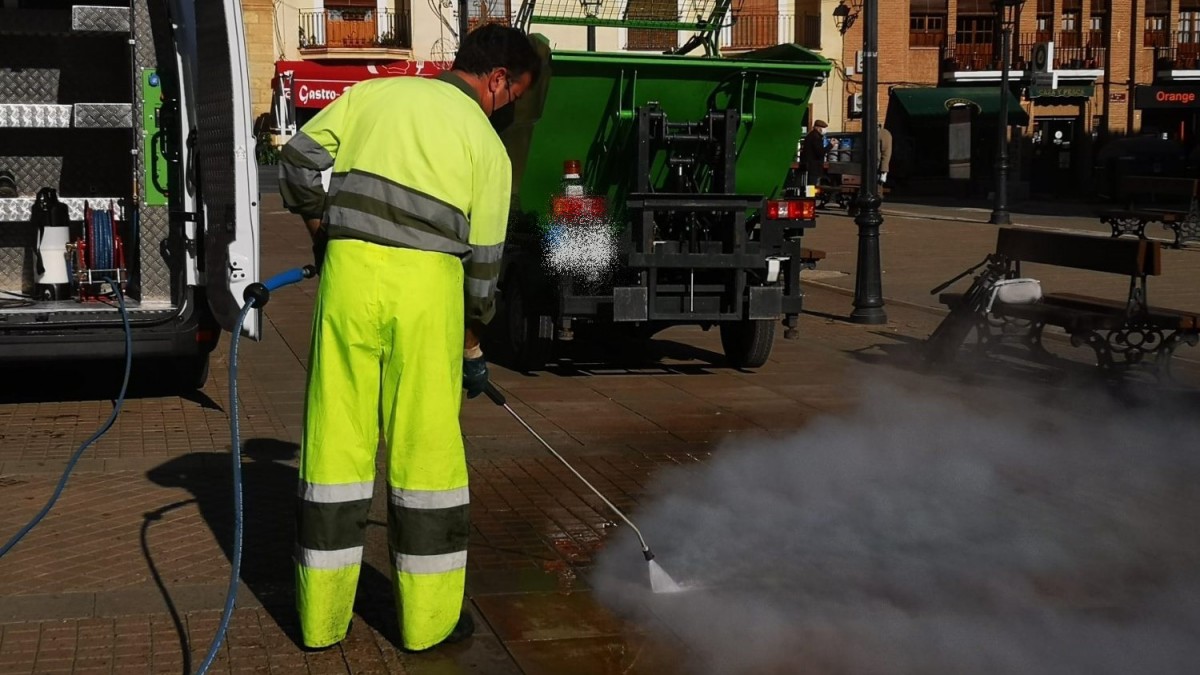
(408, 239)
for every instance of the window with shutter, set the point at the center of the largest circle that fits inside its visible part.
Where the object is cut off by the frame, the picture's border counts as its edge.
(1158, 15)
(975, 7)
(927, 23)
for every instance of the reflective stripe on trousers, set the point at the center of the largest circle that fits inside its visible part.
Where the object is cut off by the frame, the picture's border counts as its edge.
(387, 336)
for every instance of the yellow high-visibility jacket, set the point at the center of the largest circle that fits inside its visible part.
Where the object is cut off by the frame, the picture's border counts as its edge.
(417, 164)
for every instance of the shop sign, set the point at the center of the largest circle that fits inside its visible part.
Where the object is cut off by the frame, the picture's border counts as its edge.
(1069, 91)
(1167, 97)
(1117, 97)
(959, 101)
(318, 96)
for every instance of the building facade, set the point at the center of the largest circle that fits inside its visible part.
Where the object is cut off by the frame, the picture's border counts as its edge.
(1124, 68)
(329, 44)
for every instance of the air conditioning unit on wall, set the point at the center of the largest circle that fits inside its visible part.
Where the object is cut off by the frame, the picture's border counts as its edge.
(856, 105)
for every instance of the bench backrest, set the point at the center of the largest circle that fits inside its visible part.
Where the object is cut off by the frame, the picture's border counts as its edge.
(1137, 186)
(1129, 257)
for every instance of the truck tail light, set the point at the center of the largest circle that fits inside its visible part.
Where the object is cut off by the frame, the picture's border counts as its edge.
(792, 209)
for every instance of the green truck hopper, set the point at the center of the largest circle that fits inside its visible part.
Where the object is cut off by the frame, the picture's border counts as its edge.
(688, 156)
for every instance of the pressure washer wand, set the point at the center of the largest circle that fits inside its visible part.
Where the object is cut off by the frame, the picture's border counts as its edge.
(498, 398)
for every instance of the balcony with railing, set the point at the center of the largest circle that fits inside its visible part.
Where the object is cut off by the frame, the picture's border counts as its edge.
(750, 30)
(1179, 58)
(355, 33)
(976, 57)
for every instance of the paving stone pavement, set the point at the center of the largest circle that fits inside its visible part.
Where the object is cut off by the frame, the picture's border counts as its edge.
(128, 573)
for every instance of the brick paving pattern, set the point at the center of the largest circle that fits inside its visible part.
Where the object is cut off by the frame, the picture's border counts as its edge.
(128, 573)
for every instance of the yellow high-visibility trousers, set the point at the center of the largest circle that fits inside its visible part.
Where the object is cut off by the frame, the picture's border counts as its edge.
(386, 351)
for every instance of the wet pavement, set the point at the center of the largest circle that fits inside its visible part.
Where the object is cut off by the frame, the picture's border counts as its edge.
(128, 573)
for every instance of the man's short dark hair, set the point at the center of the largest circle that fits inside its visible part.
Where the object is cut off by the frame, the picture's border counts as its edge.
(494, 46)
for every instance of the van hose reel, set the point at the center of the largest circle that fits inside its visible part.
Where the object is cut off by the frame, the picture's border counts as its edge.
(98, 254)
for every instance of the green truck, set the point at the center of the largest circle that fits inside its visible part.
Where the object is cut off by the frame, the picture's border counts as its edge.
(649, 189)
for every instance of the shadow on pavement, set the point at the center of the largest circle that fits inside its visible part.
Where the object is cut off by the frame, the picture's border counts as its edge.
(613, 353)
(268, 540)
(94, 380)
(176, 619)
(1013, 368)
(1063, 208)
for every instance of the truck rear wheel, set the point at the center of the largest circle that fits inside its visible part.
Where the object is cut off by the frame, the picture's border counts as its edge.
(747, 343)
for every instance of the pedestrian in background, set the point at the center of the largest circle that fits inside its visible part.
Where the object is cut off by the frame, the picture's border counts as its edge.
(885, 153)
(812, 153)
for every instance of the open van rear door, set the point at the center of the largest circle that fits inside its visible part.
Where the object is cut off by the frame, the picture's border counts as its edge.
(228, 172)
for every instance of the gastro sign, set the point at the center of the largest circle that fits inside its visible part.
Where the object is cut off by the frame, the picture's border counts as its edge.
(313, 85)
(318, 96)
(1167, 97)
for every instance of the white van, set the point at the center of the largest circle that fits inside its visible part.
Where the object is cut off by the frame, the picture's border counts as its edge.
(126, 156)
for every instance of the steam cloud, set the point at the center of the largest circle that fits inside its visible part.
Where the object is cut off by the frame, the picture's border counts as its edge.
(932, 535)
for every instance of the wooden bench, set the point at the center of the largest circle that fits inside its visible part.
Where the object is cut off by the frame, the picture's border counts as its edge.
(1147, 200)
(1122, 332)
(845, 195)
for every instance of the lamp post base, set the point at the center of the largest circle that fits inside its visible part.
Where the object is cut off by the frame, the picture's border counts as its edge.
(869, 316)
(868, 288)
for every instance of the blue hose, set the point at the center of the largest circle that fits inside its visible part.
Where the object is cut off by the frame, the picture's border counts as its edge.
(62, 482)
(287, 278)
(256, 295)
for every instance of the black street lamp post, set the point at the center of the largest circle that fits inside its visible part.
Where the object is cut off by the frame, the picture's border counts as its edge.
(591, 8)
(868, 284)
(464, 20)
(1000, 215)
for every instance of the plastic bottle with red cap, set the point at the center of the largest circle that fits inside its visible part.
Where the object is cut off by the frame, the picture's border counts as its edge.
(572, 181)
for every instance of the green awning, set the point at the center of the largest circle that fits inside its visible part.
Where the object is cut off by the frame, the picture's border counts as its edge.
(933, 104)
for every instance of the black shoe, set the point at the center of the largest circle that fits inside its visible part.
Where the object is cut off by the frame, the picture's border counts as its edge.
(464, 629)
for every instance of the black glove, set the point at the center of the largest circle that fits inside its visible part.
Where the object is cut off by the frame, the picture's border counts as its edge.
(475, 376)
(320, 241)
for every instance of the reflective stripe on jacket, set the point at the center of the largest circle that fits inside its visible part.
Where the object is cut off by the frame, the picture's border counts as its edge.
(417, 164)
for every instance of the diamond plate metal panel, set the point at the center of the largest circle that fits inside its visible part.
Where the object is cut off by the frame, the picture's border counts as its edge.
(34, 173)
(154, 270)
(102, 166)
(93, 19)
(34, 21)
(35, 115)
(103, 115)
(29, 85)
(16, 270)
(19, 209)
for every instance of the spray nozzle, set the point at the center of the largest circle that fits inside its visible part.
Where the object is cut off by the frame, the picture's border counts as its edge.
(648, 553)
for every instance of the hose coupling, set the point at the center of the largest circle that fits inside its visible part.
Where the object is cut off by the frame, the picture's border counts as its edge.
(256, 294)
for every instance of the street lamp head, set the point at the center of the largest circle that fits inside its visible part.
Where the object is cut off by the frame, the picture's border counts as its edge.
(591, 7)
(844, 15)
